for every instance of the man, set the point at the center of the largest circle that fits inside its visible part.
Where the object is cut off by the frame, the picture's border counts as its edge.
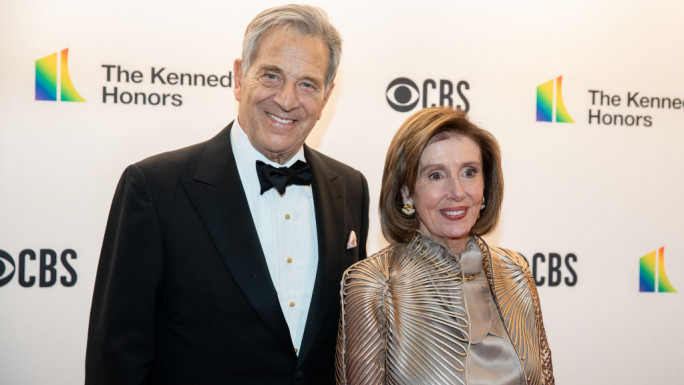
(209, 276)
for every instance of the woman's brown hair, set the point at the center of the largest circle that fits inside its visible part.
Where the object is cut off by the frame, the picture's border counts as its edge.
(401, 169)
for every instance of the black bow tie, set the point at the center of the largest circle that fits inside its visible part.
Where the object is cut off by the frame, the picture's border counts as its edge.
(281, 177)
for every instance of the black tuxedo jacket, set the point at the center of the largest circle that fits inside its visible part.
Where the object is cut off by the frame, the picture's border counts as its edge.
(183, 294)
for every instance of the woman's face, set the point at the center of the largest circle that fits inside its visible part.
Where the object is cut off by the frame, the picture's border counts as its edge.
(449, 188)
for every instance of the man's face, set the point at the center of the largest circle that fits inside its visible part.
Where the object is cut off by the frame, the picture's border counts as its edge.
(282, 93)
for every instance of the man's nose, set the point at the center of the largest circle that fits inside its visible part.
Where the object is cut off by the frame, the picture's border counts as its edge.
(286, 97)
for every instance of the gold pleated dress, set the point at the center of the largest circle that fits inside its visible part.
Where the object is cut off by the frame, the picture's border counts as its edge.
(417, 314)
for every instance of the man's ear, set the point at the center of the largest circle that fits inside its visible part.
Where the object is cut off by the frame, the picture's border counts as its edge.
(237, 73)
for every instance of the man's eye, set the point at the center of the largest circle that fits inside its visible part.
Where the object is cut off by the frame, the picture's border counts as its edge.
(308, 86)
(269, 80)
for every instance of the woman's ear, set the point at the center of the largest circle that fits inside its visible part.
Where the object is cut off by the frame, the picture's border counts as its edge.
(405, 195)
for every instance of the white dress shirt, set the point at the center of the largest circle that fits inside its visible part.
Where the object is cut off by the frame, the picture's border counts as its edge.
(286, 225)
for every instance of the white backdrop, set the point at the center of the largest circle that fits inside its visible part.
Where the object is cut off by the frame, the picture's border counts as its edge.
(593, 197)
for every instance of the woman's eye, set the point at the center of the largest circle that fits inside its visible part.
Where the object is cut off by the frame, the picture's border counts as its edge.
(434, 175)
(471, 172)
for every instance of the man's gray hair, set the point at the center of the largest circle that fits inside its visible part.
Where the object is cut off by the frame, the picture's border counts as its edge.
(307, 20)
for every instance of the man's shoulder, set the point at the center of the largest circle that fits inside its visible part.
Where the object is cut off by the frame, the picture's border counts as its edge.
(335, 165)
(184, 159)
(173, 158)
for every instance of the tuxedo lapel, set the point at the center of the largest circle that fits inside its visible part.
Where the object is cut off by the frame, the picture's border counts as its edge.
(217, 194)
(329, 197)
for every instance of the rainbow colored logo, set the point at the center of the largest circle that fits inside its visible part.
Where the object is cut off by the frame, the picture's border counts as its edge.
(545, 102)
(652, 270)
(48, 83)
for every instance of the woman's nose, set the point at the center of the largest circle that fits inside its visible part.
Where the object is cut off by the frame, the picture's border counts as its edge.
(455, 190)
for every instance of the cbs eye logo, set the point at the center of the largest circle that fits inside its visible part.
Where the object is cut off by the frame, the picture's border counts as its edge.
(403, 94)
(38, 267)
(6, 262)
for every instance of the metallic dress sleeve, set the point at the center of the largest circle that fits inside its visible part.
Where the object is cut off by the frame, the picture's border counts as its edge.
(362, 340)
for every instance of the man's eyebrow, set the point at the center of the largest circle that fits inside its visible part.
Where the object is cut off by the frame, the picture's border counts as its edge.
(318, 82)
(270, 68)
(314, 80)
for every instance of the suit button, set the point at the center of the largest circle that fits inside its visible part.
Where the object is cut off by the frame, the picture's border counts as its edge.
(289, 260)
(296, 350)
(287, 216)
(299, 375)
(292, 304)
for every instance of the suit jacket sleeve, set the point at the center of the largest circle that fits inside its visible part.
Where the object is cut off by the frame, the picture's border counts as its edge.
(122, 321)
(364, 215)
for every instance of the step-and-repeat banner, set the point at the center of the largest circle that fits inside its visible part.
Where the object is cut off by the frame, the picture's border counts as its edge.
(585, 97)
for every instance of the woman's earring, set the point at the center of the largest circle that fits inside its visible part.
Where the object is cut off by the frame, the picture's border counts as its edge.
(483, 204)
(408, 208)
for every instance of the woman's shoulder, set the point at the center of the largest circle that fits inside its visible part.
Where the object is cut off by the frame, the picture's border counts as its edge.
(376, 259)
(371, 268)
(505, 255)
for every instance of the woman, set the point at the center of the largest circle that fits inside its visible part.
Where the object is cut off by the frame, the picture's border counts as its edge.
(440, 306)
